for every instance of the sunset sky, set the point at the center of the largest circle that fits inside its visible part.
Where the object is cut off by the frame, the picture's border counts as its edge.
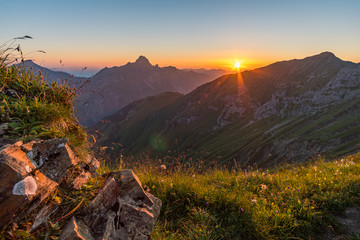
(211, 34)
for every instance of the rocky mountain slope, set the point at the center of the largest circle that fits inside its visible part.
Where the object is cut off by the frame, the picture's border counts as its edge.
(113, 88)
(287, 111)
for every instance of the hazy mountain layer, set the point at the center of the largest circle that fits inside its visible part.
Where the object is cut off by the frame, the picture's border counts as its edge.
(113, 88)
(52, 76)
(287, 111)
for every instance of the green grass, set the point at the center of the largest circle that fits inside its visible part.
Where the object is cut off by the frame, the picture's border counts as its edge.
(36, 110)
(291, 202)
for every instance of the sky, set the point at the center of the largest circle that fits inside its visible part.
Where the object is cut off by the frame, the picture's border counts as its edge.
(181, 33)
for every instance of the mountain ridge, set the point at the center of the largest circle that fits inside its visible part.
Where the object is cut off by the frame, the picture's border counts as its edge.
(113, 88)
(259, 113)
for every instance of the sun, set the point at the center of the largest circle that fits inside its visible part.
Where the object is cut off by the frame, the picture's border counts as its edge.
(237, 65)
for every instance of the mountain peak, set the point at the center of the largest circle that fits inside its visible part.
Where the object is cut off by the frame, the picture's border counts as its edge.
(143, 61)
(325, 54)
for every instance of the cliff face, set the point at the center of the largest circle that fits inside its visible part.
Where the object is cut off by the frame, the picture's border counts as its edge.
(31, 173)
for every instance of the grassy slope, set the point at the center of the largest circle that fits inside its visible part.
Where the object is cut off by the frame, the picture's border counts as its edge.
(249, 144)
(294, 202)
(36, 110)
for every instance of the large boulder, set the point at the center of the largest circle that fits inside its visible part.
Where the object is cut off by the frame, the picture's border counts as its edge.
(121, 210)
(29, 173)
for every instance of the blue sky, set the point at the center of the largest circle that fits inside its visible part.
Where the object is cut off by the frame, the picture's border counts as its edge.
(182, 33)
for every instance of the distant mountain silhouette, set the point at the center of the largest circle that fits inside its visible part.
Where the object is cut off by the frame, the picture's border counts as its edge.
(286, 111)
(214, 73)
(113, 88)
(52, 76)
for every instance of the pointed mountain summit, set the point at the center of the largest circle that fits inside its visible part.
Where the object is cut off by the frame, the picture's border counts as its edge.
(113, 88)
(143, 62)
(325, 55)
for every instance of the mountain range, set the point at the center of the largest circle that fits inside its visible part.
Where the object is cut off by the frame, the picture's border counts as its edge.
(287, 111)
(113, 88)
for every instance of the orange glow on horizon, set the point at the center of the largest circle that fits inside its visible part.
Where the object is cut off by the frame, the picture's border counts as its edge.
(180, 62)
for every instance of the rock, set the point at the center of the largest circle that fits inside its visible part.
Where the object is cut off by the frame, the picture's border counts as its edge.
(53, 156)
(80, 180)
(350, 221)
(29, 173)
(4, 127)
(12, 93)
(93, 164)
(76, 230)
(162, 168)
(80, 176)
(122, 209)
(44, 214)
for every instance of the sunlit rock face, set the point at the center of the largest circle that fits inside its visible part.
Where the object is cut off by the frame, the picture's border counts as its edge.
(121, 210)
(30, 172)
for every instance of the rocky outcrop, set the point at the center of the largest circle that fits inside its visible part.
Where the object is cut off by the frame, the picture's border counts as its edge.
(121, 210)
(30, 172)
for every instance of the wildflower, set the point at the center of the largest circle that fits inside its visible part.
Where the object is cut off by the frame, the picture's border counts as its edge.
(242, 209)
(283, 204)
(263, 186)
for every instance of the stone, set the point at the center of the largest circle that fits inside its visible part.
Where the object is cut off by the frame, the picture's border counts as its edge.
(93, 162)
(82, 179)
(81, 175)
(54, 157)
(162, 168)
(76, 230)
(44, 215)
(122, 209)
(29, 173)
(4, 127)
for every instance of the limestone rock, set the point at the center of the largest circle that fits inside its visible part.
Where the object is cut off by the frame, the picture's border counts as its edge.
(44, 214)
(122, 209)
(4, 127)
(81, 179)
(53, 156)
(29, 173)
(76, 230)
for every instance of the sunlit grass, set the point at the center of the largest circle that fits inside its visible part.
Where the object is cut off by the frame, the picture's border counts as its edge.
(294, 202)
(34, 109)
